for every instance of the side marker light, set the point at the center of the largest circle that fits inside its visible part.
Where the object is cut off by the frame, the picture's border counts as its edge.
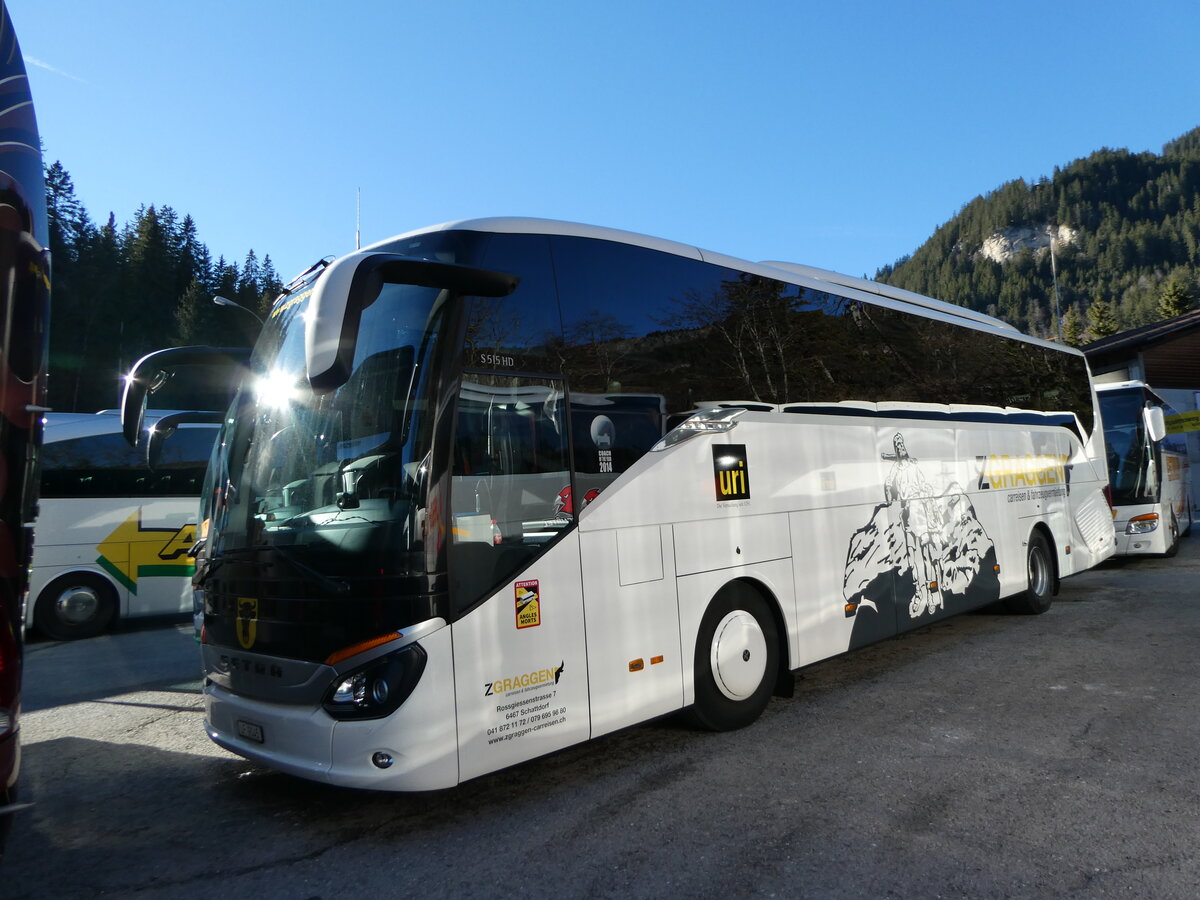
(346, 652)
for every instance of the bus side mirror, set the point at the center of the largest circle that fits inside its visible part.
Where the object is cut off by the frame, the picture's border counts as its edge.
(1156, 423)
(153, 370)
(351, 284)
(166, 426)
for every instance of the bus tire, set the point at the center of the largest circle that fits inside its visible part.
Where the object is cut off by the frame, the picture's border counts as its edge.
(76, 605)
(736, 660)
(1039, 568)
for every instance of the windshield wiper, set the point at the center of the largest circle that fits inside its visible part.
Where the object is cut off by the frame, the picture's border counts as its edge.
(332, 585)
(300, 279)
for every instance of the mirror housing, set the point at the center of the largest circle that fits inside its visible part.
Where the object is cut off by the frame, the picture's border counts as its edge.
(1156, 423)
(352, 283)
(153, 370)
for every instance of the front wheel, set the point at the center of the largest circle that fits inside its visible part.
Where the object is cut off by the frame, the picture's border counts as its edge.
(736, 661)
(73, 606)
(1039, 566)
(1172, 536)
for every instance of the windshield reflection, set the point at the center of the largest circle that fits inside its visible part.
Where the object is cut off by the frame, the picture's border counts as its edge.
(335, 477)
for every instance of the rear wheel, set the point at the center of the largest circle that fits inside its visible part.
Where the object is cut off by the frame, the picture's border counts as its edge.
(1039, 566)
(736, 661)
(76, 605)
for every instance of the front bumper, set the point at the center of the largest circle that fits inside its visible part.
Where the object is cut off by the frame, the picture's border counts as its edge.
(420, 738)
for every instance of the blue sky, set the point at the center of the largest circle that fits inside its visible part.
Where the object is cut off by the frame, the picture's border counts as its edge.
(837, 135)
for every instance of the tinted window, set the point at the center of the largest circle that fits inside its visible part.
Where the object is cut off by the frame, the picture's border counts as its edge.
(105, 466)
(523, 331)
(639, 322)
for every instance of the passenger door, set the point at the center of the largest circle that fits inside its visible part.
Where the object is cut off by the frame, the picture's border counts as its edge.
(520, 661)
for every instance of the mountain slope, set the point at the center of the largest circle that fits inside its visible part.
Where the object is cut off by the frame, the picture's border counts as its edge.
(1124, 225)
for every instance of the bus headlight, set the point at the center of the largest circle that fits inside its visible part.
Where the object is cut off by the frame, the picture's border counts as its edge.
(378, 688)
(1142, 524)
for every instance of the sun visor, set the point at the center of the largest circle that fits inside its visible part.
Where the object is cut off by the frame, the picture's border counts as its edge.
(352, 283)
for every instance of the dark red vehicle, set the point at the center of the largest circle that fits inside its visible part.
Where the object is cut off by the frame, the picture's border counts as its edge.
(24, 321)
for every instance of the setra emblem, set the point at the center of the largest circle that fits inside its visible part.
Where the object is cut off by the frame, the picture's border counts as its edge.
(247, 621)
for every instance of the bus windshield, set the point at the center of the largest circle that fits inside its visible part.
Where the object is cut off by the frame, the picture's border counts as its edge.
(1129, 451)
(335, 478)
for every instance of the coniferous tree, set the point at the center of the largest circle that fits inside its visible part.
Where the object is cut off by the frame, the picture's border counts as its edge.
(1174, 299)
(1072, 327)
(69, 223)
(150, 282)
(270, 286)
(73, 311)
(1102, 322)
(200, 321)
(120, 292)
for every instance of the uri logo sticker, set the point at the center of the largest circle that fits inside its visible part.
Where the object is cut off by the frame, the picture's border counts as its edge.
(529, 604)
(731, 472)
(132, 552)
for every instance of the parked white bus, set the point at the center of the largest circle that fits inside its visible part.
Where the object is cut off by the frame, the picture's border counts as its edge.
(113, 535)
(450, 530)
(1147, 468)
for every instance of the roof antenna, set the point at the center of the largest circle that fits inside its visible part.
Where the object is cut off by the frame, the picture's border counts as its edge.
(358, 219)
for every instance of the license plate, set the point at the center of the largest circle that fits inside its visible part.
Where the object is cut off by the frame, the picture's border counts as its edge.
(250, 731)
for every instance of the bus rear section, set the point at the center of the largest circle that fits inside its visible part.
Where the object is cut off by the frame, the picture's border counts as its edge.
(113, 533)
(1148, 469)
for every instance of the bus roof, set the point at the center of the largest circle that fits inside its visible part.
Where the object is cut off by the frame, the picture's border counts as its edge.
(1120, 385)
(67, 426)
(794, 273)
(886, 290)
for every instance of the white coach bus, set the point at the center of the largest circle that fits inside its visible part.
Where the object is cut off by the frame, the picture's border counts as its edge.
(1147, 468)
(449, 529)
(113, 534)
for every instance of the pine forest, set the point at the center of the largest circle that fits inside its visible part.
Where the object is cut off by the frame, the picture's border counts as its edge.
(1117, 232)
(120, 292)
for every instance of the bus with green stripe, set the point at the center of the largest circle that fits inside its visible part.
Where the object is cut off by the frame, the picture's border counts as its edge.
(114, 530)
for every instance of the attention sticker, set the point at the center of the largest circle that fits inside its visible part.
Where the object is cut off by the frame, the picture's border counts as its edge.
(529, 608)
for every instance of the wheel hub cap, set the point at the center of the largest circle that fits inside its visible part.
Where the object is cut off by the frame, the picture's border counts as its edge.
(738, 655)
(77, 605)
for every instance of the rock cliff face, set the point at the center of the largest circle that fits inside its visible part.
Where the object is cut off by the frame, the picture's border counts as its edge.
(1003, 246)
